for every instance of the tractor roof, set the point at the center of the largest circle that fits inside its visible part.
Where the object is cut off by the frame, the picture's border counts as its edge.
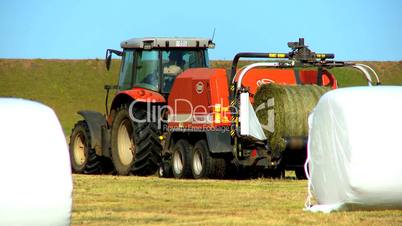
(159, 42)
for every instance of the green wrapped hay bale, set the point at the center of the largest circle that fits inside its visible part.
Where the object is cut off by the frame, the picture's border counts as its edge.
(283, 110)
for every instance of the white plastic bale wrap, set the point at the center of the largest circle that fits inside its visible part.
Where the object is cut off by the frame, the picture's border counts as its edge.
(250, 125)
(355, 151)
(35, 173)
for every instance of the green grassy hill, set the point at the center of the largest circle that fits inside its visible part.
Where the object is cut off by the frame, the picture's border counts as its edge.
(72, 85)
(65, 85)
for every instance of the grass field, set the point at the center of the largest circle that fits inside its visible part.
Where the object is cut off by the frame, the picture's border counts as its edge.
(72, 85)
(112, 200)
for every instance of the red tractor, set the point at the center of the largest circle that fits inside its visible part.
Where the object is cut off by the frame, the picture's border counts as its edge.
(173, 113)
(148, 69)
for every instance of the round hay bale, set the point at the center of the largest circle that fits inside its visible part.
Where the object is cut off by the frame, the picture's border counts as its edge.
(36, 183)
(283, 111)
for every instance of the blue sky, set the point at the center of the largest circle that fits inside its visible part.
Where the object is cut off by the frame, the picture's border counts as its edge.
(73, 29)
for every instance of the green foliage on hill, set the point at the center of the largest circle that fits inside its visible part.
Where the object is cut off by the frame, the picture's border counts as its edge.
(72, 85)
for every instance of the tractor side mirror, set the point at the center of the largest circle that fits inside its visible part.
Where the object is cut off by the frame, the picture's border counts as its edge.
(108, 61)
(108, 58)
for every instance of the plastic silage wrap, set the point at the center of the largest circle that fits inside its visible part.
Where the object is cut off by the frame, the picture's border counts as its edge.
(36, 183)
(283, 110)
(354, 150)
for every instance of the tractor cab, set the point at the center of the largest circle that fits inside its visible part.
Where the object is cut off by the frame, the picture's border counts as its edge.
(154, 63)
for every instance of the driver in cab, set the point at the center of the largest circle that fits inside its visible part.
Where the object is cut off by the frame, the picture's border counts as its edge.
(175, 64)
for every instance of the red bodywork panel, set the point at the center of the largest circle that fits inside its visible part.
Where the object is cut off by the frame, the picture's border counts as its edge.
(143, 95)
(257, 77)
(138, 94)
(194, 95)
(196, 91)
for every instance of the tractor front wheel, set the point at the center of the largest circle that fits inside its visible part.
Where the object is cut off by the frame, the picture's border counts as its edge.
(83, 157)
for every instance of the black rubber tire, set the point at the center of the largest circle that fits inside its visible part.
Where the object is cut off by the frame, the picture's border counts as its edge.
(181, 153)
(300, 174)
(149, 148)
(203, 165)
(146, 148)
(123, 167)
(165, 170)
(92, 163)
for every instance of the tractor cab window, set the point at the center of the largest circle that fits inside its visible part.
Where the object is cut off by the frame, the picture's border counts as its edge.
(126, 70)
(147, 70)
(176, 61)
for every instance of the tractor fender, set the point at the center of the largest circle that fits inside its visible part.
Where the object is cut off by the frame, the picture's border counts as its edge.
(96, 121)
(140, 95)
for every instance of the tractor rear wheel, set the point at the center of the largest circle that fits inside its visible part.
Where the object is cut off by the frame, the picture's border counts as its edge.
(149, 147)
(83, 157)
(204, 165)
(136, 147)
(123, 146)
(181, 159)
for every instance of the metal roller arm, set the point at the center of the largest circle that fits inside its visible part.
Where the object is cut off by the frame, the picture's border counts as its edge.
(260, 64)
(365, 69)
(373, 71)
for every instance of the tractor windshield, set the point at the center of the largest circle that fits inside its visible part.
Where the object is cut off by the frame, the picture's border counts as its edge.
(157, 69)
(126, 70)
(147, 70)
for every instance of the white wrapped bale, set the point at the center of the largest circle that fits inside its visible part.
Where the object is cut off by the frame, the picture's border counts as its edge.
(35, 173)
(354, 149)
